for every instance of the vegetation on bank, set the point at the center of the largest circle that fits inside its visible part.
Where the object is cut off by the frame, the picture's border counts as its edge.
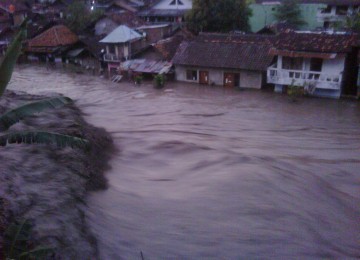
(18, 243)
(15, 115)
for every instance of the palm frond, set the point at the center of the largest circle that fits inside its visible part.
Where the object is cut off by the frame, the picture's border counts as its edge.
(13, 116)
(39, 137)
(8, 63)
(17, 235)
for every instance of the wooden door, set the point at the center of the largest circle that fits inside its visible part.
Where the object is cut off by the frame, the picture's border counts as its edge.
(203, 77)
(229, 80)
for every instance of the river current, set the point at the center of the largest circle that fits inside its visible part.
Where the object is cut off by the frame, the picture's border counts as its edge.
(211, 173)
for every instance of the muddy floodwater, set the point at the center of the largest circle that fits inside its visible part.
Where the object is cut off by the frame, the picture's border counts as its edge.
(213, 173)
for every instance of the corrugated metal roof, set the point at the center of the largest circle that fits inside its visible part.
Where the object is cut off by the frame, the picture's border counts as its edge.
(121, 34)
(146, 66)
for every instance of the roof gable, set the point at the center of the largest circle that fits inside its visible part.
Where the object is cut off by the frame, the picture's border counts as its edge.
(121, 34)
(58, 35)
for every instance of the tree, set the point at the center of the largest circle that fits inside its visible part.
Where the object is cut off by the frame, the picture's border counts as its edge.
(78, 16)
(289, 11)
(353, 22)
(15, 115)
(218, 16)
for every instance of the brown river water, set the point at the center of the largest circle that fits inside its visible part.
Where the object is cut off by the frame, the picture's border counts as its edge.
(213, 173)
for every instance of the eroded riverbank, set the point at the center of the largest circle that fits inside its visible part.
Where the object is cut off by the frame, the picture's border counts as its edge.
(209, 173)
(48, 185)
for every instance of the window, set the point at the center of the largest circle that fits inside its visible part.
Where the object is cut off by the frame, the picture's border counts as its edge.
(326, 10)
(316, 64)
(341, 10)
(191, 75)
(176, 2)
(292, 63)
(111, 48)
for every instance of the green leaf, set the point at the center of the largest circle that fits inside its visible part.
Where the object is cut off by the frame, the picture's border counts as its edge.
(8, 63)
(17, 234)
(39, 252)
(39, 137)
(13, 116)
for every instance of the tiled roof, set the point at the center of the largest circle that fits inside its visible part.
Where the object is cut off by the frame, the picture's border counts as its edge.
(58, 35)
(168, 47)
(249, 52)
(315, 42)
(122, 34)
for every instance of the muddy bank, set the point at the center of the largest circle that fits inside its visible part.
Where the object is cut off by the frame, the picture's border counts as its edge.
(48, 185)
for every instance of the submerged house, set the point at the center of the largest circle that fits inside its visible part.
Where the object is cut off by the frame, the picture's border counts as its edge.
(51, 44)
(224, 59)
(121, 44)
(324, 64)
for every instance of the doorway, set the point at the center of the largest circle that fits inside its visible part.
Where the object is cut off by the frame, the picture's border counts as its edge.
(231, 79)
(203, 77)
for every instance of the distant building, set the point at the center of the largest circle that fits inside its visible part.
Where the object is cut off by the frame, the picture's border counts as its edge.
(172, 11)
(264, 10)
(336, 11)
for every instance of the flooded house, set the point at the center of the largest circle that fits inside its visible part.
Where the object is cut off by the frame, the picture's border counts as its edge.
(51, 45)
(228, 60)
(120, 45)
(86, 53)
(324, 64)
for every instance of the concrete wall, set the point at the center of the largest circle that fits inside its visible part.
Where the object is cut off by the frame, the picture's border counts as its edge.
(330, 66)
(248, 79)
(264, 15)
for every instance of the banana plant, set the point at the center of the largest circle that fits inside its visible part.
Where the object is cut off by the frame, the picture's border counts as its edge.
(15, 115)
(17, 242)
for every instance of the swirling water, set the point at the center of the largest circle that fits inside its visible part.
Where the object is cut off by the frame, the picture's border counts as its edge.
(214, 173)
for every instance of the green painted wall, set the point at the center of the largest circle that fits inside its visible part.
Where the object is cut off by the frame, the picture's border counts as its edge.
(263, 15)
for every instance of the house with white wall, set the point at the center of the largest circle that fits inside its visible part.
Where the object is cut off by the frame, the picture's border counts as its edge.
(121, 44)
(167, 11)
(324, 64)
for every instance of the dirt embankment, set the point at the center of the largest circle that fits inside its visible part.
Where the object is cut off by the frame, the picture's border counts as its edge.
(48, 185)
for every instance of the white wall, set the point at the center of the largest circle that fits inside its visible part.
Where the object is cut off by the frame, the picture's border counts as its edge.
(334, 66)
(165, 4)
(329, 66)
(248, 79)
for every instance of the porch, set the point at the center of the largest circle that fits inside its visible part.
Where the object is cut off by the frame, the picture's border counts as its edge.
(110, 57)
(302, 78)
